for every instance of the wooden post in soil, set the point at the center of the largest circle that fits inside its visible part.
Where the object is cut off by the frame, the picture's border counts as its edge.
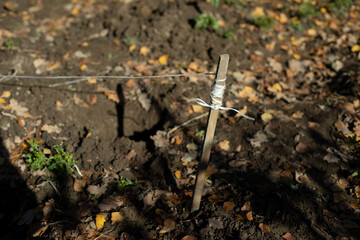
(209, 136)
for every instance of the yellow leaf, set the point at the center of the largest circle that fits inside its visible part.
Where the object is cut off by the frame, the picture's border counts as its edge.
(249, 89)
(277, 87)
(85, 44)
(266, 117)
(100, 220)
(164, 59)
(75, 11)
(225, 145)
(6, 94)
(283, 18)
(221, 23)
(2, 101)
(297, 56)
(297, 114)
(355, 206)
(197, 108)
(323, 10)
(258, 12)
(116, 217)
(132, 47)
(264, 228)
(178, 174)
(355, 48)
(312, 32)
(83, 67)
(193, 66)
(92, 80)
(144, 51)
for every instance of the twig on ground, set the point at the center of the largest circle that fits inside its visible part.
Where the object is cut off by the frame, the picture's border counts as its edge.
(52, 184)
(185, 123)
(78, 170)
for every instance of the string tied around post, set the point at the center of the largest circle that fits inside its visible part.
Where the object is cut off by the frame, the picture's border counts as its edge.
(216, 96)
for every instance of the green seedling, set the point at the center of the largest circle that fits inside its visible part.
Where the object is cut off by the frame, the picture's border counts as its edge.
(200, 133)
(307, 9)
(355, 174)
(60, 163)
(125, 183)
(10, 44)
(215, 3)
(264, 22)
(130, 41)
(205, 21)
(230, 34)
(340, 6)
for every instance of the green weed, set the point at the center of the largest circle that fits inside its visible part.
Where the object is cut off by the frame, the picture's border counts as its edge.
(215, 3)
(264, 22)
(340, 6)
(205, 21)
(200, 133)
(59, 163)
(230, 34)
(307, 9)
(130, 40)
(127, 183)
(10, 44)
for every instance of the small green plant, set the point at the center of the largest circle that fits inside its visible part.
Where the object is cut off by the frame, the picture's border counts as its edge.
(60, 163)
(307, 9)
(340, 6)
(130, 40)
(215, 3)
(127, 183)
(35, 156)
(264, 22)
(205, 21)
(230, 34)
(10, 44)
(200, 133)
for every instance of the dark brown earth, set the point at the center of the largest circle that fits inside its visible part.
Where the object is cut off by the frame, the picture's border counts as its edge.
(288, 176)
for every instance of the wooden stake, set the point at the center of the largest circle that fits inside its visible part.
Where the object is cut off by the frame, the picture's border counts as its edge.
(209, 137)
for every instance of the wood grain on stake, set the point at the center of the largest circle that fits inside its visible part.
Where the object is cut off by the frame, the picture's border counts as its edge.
(209, 136)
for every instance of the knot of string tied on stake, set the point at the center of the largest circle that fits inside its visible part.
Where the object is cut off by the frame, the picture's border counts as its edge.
(217, 92)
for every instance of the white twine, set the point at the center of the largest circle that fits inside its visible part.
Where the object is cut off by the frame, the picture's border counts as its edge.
(217, 92)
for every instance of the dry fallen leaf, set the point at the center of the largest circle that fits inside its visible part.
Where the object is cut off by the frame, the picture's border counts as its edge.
(160, 139)
(6, 94)
(92, 98)
(178, 174)
(78, 101)
(79, 185)
(288, 236)
(264, 228)
(144, 51)
(297, 115)
(197, 108)
(164, 59)
(17, 108)
(116, 217)
(111, 202)
(228, 206)
(169, 225)
(96, 190)
(258, 12)
(266, 117)
(224, 145)
(258, 139)
(51, 128)
(100, 221)
(188, 237)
